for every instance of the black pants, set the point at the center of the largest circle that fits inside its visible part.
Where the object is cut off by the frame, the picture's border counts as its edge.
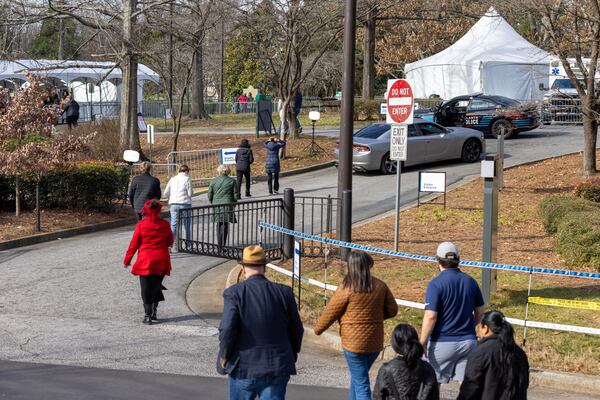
(223, 231)
(240, 175)
(152, 288)
(273, 186)
(72, 121)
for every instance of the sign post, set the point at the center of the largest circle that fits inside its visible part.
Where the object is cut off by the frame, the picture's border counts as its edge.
(297, 269)
(399, 113)
(150, 135)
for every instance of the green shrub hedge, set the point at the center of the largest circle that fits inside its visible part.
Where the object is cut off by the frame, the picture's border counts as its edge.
(589, 189)
(575, 224)
(90, 185)
(366, 110)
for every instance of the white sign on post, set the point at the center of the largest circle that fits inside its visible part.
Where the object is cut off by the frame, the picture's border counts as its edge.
(400, 102)
(150, 133)
(432, 182)
(398, 142)
(297, 254)
(228, 155)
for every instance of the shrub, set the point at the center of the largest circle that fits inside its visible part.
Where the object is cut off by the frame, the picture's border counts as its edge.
(105, 145)
(578, 239)
(91, 185)
(366, 110)
(554, 208)
(588, 189)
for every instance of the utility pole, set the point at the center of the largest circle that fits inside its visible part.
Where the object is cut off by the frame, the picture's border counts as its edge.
(221, 77)
(347, 123)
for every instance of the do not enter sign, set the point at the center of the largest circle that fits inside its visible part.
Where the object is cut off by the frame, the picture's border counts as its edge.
(400, 102)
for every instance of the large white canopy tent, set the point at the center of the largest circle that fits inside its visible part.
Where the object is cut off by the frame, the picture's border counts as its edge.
(491, 58)
(89, 81)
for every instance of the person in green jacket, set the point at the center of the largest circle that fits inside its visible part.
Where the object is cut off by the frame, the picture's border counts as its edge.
(223, 190)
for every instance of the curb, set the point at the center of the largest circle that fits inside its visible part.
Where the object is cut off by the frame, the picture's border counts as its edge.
(67, 233)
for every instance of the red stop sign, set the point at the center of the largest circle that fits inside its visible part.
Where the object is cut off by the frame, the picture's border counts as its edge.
(400, 102)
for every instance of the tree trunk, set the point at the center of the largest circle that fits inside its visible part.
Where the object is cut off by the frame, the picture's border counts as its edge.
(61, 38)
(198, 110)
(368, 86)
(590, 137)
(134, 133)
(17, 197)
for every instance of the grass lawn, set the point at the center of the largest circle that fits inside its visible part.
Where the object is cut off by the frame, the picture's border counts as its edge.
(521, 240)
(248, 120)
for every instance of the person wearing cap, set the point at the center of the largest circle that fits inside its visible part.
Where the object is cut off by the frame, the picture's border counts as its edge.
(453, 306)
(260, 333)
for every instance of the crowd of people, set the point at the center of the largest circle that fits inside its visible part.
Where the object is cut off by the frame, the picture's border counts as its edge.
(261, 331)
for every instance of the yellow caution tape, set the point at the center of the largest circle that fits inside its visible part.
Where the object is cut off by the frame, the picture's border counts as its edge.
(579, 304)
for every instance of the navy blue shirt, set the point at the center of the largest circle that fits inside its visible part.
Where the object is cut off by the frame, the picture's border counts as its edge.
(454, 295)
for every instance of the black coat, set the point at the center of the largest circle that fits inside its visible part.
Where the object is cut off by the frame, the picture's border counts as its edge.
(243, 159)
(143, 187)
(260, 332)
(396, 381)
(71, 109)
(483, 380)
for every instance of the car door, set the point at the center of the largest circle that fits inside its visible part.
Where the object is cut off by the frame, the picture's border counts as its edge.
(480, 113)
(436, 141)
(416, 148)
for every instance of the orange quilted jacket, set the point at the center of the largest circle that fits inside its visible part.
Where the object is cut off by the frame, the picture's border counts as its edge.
(361, 317)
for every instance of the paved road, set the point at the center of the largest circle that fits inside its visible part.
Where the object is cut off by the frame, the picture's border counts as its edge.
(71, 303)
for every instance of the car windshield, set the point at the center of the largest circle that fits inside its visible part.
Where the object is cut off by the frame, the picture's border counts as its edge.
(505, 101)
(372, 131)
(565, 84)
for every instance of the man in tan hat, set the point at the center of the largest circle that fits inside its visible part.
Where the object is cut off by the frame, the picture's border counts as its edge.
(260, 333)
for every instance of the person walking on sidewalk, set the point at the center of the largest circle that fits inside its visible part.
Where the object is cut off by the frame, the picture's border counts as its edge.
(179, 192)
(223, 190)
(273, 165)
(497, 369)
(71, 112)
(151, 240)
(360, 304)
(406, 377)
(453, 305)
(260, 334)
(143, 187)
(243, 159)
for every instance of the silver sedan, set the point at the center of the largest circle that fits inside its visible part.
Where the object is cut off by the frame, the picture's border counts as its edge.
(427, 142)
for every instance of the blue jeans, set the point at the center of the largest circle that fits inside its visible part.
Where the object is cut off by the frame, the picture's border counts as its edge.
(266, 388)
(187, 222)
(359, 366)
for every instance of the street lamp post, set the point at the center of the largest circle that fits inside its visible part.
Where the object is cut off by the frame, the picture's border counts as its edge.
(347, 124)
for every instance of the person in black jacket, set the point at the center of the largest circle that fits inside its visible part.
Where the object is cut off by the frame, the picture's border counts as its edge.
(71, 111)
(406, 377)
(243, 159)
(260, 333)
(143, 187)
(497, 369)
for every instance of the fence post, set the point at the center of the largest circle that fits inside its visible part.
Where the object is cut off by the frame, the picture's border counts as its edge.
(289, 205)
(346, 223)
(489, 171)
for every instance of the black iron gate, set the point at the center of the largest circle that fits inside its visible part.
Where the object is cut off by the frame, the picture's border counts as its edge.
(224, 230)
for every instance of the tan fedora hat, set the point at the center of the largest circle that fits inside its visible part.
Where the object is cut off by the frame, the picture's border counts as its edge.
(254, 256)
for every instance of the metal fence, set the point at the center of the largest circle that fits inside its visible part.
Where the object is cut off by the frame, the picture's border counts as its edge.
(163, 171)
(203, 164)
(224, 230)
(562, 111)
(316, 216)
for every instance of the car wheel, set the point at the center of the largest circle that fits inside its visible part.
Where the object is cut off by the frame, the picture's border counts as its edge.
(502, 125)
(388, 166)
(471, 151)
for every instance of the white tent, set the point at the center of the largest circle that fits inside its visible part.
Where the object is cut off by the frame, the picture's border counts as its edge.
(491, 58)
(89, 81)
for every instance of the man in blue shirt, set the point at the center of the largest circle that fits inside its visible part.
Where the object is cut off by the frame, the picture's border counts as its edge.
(453, 305)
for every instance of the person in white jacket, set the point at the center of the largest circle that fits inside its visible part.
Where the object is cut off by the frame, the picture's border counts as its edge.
(179, 192)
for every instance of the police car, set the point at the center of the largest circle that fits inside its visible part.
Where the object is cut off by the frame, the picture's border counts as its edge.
(488, 114)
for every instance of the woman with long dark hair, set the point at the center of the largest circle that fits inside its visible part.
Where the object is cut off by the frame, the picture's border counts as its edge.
(151, 240)
(497, 369)
(360, 304)
(407, 376)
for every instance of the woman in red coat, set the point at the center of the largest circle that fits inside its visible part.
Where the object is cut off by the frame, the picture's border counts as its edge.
(151, 239)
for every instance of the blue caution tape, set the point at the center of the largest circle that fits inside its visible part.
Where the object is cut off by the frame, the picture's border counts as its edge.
(478, 264)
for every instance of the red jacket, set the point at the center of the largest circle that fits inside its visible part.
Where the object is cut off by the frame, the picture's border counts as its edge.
(151, 239)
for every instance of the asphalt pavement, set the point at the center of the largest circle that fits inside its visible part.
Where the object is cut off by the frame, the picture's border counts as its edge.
(71, 303)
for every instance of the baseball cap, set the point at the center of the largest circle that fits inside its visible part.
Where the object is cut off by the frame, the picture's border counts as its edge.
(448, 251)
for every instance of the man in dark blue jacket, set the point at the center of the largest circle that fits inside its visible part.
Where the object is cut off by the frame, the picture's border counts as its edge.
(273, 165)
(260, 333)
(143, 187)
